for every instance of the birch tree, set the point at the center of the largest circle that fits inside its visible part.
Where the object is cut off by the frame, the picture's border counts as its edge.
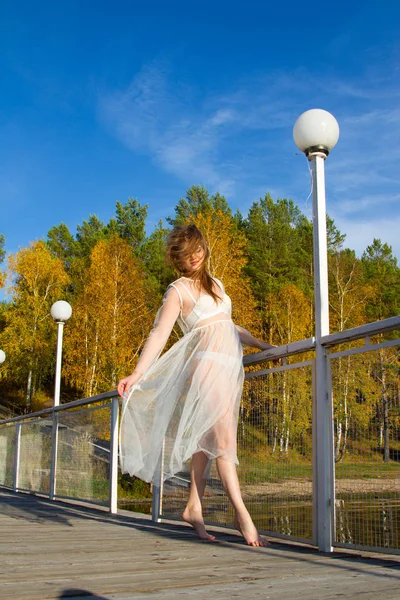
(382, 273)
(29, 335)
(348, 296)
(112, 318)
(290, 319)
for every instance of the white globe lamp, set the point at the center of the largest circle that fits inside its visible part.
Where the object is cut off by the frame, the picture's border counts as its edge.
(316, 130)
(2, 356)
(61, 311)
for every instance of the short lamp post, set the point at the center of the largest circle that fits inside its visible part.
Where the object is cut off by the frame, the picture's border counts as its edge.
(2, 356)
(61, 312)
(316, 132)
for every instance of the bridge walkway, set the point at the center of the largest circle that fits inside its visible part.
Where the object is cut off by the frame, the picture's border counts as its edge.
(52, 550)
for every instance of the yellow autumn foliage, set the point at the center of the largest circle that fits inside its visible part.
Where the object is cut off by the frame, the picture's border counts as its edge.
(227, 246)
(38, 280)
(111, 320)
(290, 312)
(348, 293)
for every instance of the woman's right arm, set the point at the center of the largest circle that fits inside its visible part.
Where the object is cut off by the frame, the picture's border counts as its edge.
(163, 324)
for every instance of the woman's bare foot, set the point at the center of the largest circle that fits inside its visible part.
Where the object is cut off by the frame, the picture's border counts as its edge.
(245, 525)
(195, 519)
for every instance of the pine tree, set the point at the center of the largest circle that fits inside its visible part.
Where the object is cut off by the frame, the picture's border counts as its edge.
(131, 222)
(62, 244)
(153, 254)
(382, 272)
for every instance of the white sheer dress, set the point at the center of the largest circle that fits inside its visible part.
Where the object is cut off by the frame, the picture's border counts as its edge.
(188, 399)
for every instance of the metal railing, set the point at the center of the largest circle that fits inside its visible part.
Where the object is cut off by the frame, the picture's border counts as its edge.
(280, 459)
(65, 452)
(71, 451)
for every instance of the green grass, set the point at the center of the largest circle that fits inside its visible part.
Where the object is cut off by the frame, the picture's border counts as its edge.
(132, 488)
(273, 473)
(370, 470)
(251, 472)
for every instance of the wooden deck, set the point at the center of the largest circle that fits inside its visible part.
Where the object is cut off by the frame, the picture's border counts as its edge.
(57, 550)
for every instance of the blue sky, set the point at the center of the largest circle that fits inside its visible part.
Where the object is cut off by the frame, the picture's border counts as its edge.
(101, 101)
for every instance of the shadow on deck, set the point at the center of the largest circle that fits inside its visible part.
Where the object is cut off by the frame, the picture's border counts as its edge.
(52, 550)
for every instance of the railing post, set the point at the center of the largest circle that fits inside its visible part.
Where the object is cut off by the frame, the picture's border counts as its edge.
(17, 453)
(113, 498)
(323, 464)
(314, 459)
(330, 446)
(158, 485)
(54, 450)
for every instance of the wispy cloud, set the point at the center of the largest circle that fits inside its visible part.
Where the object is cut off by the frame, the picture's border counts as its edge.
(239, 141)
(375, 202)
(148, 117)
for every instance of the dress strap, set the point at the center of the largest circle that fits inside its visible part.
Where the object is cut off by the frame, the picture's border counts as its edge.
(178, 292)
(189, 292)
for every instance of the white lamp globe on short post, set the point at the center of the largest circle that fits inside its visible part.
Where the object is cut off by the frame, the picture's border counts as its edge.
(316, 132)
(61, 312)
(2, 356)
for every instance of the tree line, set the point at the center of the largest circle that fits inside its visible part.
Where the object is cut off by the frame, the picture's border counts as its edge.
(114, 274)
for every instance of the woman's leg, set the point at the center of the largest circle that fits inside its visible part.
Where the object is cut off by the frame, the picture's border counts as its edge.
(243, 520)
(193, 513)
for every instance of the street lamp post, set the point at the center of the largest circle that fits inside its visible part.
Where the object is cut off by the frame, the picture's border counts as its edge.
(61, 312)
(316, 132)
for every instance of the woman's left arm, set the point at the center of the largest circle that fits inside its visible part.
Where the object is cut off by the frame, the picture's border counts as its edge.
(249, 340)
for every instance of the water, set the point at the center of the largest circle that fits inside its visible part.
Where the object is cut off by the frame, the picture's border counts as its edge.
(373, 521)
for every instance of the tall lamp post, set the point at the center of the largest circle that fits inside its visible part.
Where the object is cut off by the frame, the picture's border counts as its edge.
(61, 312)
(316, 132)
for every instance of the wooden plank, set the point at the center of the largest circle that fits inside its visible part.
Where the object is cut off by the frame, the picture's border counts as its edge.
(48, 550)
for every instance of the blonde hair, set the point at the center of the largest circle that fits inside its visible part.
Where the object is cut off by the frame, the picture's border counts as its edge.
(182, 242)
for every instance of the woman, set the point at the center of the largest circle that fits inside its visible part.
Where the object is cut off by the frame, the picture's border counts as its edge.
(186, 403)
